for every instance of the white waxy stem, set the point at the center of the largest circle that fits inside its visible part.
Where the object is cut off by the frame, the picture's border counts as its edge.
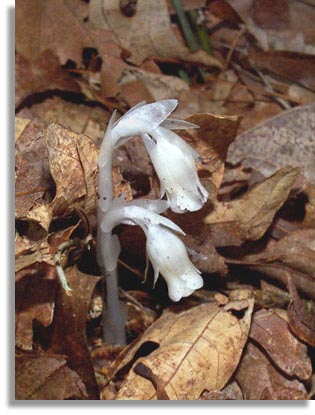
(174, 163)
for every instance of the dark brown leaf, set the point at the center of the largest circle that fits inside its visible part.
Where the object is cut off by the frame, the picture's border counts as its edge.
(69, 327)
(259, 380)
(271, 330)
(46, 377)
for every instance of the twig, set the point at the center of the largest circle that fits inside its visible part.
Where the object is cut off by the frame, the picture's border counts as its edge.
(232, 48)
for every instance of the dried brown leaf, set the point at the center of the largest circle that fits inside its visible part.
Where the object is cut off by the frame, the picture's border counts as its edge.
(73, 165)
(212, 141)
(230, 392)
(42, 75)
(286, 139)
(34, 301)
(145, 34)
(301, 316)
(294, 27)
(292, 256)
(69, 327)
(46, 377)
(271, 330)
(255, 210)
(259, 380)
(33, 179)
(28, 252)
(295, 67)
(198, 349)
(138, 85)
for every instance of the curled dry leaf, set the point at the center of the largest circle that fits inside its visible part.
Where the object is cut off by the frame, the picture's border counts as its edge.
(260, 380)
(286, 139)
(46, 377)
(148, 33)
(73, 165)
(212, 141)
(255, 210)
(69, 326)
(271, 330)
(195, 350)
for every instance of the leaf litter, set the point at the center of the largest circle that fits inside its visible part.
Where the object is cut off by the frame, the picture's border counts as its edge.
(253, 241)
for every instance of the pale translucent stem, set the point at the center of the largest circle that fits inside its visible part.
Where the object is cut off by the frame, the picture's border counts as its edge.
(113, 316)
(107, 252)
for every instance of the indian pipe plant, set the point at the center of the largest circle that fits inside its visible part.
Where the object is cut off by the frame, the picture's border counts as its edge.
(174, 162)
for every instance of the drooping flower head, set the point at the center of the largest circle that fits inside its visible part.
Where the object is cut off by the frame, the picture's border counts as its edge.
(174, 162)
(165, 250)
(173, 159)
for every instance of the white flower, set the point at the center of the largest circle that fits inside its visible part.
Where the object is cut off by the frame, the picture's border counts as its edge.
(169, 257)
(165, 249)
(174, 162)
(142, 118)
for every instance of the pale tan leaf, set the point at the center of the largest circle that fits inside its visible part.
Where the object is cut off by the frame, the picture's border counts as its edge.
(286, 139)
(20, 124)
(198, 349)
(254, 211)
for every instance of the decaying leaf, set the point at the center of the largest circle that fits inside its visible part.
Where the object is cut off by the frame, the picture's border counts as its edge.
(212, 141)
(139, 85)
(196, 349)
(73, 165)
(230, 392)
(35, 300)
(46, 377)
(301, 316)
(41, 75)
(28, 252)
(284, 140)
(69, 327)
(145, 34)
(259, 380)
(292, 256)
(33, 183)
(271, 330)
(281, 25)
(254, 211)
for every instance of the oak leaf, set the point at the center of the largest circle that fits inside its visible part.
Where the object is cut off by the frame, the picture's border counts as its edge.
(196, 350)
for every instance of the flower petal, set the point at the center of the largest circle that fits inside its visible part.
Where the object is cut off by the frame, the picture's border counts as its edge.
(174, 124)
(144, 118)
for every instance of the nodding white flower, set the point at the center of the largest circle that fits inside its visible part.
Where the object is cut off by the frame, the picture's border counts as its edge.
(169, 258)
(142, 118)
(174, 162)
(165, 249)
